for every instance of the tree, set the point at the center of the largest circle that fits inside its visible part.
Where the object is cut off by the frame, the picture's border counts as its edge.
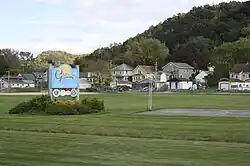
(59, 57)
(225, 56)
(27, 61)
(3, 65)
(197, 49)
(11, 57)
(145, 51)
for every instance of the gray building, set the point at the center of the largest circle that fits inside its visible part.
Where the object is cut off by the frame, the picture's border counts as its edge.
(178, 70)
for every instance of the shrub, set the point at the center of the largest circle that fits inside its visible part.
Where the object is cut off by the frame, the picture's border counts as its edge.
(44, 105)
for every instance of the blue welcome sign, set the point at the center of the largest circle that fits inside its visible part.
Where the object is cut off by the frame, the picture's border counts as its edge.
(64, 76)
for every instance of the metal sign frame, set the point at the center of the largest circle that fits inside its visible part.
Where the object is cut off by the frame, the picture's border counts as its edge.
(63, 81)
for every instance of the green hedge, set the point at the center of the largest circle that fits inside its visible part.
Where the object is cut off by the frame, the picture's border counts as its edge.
(44, 105)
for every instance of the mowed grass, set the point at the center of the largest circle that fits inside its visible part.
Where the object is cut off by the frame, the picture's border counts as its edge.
(120, 137)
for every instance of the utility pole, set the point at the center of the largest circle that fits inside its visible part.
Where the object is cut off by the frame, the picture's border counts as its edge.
(156, 65)
(150, 94)
(8, 80)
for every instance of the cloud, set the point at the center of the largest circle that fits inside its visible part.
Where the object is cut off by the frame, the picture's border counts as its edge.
(89, 24)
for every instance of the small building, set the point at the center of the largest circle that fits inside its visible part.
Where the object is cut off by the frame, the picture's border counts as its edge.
(143, 83)
(84, 84)
(180, 84)
(233, 84)
(142, 72)
(160, 80)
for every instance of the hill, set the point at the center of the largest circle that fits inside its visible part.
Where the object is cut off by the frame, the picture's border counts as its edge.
(59, 57)
(186, 37)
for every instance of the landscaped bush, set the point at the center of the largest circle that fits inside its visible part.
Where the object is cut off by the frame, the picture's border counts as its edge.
(44, 105)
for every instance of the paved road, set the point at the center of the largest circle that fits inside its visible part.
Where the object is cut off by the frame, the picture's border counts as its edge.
(200, 112)
(36, 93)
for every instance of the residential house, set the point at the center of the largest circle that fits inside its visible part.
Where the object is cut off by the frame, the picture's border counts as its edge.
(122, 72)
(18, 82)
(178, 70)
(142, 72)
(29, 78)
(89, 76)
(240, 71)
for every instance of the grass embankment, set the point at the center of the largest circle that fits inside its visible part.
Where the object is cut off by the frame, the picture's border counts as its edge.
(119, 137)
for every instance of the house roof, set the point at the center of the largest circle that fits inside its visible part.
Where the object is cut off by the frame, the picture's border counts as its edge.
(38, 74)
(180, 65)
(148, 69)
(243, 67)
(123, 67)
(16, 82)
(28, 76)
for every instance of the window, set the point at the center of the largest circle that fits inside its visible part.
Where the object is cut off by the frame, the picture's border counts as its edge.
(236, 76)
(114, 72)
(232, 76)
(126, 72)
(239, 85)
(247, 85)
(243, 75)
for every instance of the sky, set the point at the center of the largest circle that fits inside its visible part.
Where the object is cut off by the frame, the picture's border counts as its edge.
(81, 26)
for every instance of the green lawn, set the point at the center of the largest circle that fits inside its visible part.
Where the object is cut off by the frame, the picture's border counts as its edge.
(120, 137)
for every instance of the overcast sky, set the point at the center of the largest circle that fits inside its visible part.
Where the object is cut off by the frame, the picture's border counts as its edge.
(81, 26)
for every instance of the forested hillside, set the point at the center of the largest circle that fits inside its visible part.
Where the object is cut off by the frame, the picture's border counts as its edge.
(19, 61)
(195, 37)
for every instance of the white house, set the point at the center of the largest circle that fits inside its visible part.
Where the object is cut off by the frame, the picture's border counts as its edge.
(160, 79)
(122, 72)
(240, 71)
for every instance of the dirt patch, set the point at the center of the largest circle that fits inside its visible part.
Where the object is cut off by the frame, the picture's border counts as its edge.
(199, 112)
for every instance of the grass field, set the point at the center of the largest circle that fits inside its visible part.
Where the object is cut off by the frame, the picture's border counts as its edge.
(120, 137)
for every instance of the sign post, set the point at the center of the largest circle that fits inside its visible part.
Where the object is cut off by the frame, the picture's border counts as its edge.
(63, 81)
